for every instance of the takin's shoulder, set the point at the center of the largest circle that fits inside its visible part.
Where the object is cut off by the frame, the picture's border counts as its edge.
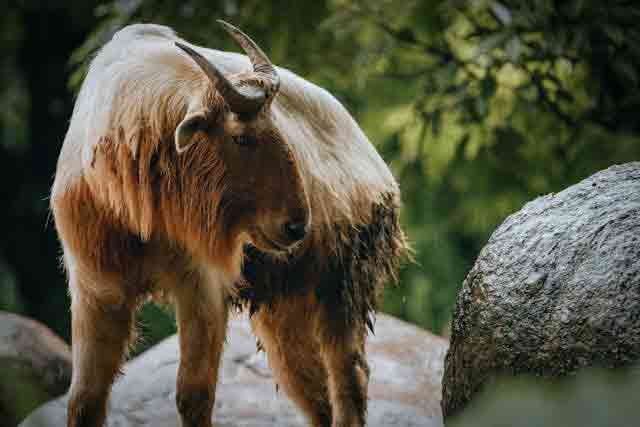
(138, 31)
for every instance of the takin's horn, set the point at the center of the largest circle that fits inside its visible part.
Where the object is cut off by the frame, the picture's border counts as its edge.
(245, 96)
(244, 99)
(259, 60)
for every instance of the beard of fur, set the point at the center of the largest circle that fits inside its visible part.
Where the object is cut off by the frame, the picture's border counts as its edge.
(347, 280)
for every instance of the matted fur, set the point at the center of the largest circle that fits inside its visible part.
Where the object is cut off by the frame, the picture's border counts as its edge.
(343, 174)
(347, 283)
(135, 217)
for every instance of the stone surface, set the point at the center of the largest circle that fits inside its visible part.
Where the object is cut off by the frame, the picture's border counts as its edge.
(592, 398)
(406, 364)
(556, 288)
(35, 366)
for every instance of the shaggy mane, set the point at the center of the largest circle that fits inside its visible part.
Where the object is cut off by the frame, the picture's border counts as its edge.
(137, 219)
(136, 92)
(120, 141)
(348, 283)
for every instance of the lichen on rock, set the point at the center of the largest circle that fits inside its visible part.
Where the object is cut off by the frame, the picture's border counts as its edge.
(556, 288)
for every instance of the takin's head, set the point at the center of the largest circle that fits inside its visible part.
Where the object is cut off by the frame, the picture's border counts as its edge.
(263, 195)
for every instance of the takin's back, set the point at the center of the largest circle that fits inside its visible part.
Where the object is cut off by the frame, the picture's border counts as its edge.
(140, 68)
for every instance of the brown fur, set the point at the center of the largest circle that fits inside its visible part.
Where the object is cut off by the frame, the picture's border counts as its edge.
(319, 310)
(136, 218)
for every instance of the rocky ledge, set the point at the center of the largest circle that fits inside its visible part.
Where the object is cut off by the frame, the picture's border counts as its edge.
(406, 365)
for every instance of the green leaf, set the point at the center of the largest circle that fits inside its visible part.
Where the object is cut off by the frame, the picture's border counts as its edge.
(565, 95)
(491, 42)
(575, 8)
(626, 72)
(514, 48)
(501, 12)
(482, 106)
(488, 86)
(436, 122)
(614, 33)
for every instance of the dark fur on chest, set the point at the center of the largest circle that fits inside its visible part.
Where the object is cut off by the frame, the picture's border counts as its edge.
(347, 282)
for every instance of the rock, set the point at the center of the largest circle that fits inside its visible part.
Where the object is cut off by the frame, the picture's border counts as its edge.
(556, 288)
(406, 364)
(35, 367)
(590, 399)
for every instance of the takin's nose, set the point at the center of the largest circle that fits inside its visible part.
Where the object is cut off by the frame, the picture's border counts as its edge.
(295, 230)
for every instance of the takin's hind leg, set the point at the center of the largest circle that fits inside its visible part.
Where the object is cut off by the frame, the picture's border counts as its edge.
(201, 313)
(101, 329)
(343, 353)
(286, 331)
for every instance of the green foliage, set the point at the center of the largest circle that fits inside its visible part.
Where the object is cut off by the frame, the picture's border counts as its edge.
(9, 297)
(153, 323)
(478, 106)
(14, 105)
(481, 106)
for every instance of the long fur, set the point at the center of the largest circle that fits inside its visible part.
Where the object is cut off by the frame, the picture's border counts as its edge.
(122, 194)
(347, 283)
(139, 88)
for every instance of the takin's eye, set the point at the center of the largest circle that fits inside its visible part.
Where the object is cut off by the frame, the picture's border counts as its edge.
(244, 140)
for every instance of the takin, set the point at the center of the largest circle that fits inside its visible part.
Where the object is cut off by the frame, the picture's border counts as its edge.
(215, 180)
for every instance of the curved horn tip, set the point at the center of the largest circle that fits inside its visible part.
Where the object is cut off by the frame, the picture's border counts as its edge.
(240, 37)
(237, 100)
(227, 26)
(245, 100)
(259, 60)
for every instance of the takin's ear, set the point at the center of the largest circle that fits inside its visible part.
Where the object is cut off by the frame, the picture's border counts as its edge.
(186, 130)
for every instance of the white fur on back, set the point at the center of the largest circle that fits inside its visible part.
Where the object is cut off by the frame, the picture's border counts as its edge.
(141, 69)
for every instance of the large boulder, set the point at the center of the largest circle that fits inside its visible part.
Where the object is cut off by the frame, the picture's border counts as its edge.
(35, 366)
(556, 288)
(405, 390)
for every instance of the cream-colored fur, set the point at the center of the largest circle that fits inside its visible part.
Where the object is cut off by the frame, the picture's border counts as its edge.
(136, 218)
(141, 70)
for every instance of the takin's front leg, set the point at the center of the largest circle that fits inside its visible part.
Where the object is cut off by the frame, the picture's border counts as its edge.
(348, 374)
(101, 327)
(202, 321)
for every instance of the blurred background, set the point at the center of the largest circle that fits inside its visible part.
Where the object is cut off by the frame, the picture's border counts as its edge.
(478, 106)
